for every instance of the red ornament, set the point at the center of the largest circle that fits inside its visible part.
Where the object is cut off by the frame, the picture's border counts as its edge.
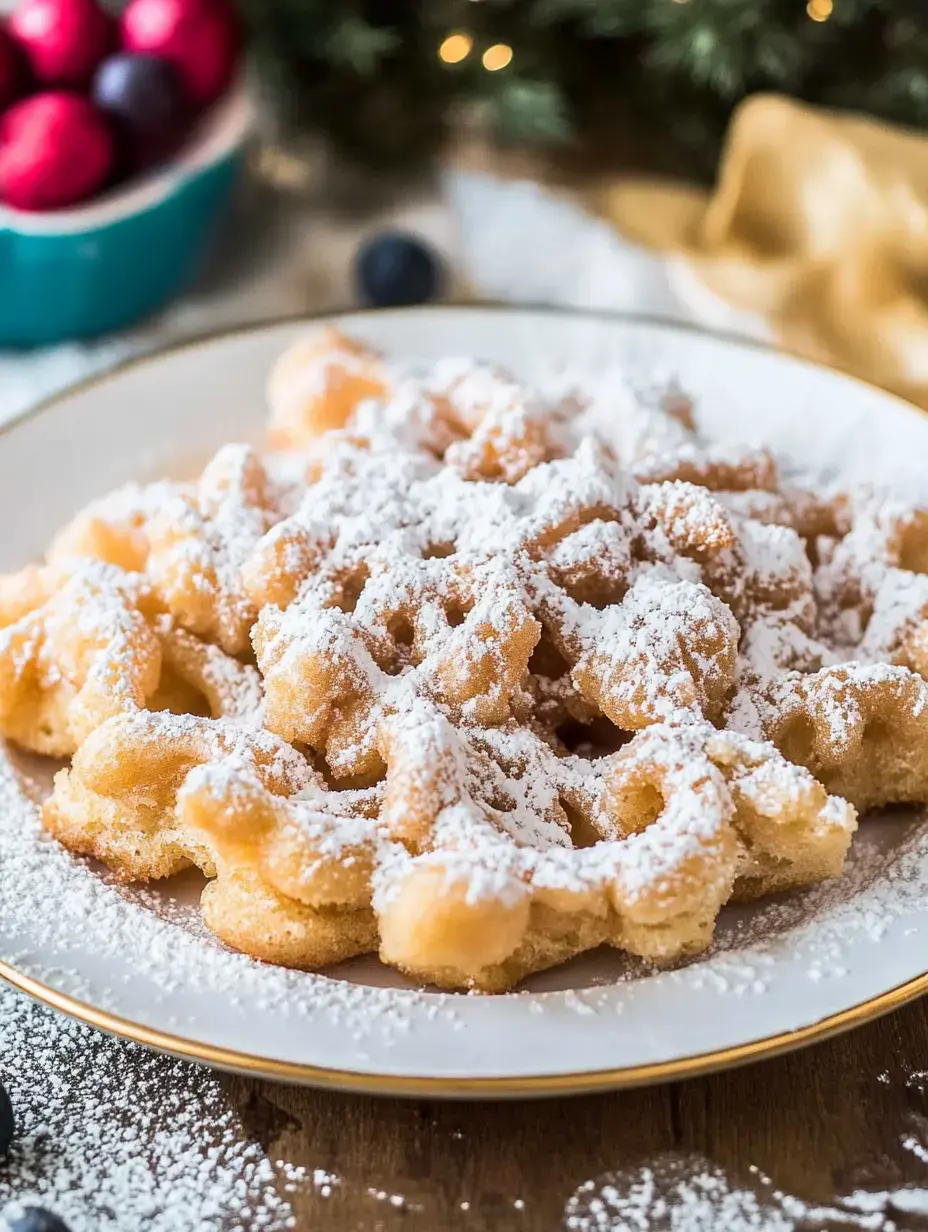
(63, 40)
(199, 37)
(55, 150)
(9, 69)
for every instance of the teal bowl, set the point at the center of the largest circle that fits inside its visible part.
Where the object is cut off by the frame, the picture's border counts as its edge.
(102, 266)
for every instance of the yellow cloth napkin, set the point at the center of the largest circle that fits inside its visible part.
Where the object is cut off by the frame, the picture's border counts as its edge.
(819, 221)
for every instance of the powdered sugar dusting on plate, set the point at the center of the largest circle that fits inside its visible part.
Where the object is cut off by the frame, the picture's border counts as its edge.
(165, 951)
(885, 881)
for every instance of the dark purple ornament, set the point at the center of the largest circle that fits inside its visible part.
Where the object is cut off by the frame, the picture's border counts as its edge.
(144, 99)
(12, 72)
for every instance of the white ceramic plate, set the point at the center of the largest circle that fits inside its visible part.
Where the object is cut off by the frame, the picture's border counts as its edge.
(138, 963)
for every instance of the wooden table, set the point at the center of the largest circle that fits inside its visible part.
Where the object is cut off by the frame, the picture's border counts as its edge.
(821, 1123)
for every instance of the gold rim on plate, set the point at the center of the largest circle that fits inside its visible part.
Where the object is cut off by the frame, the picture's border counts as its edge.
(574, 1083)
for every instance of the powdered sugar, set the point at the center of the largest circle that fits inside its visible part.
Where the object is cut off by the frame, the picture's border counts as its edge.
(835, 950)
(821, 931)
(112, 1137)
(199, 541)
(686, 1193)
(168, 955)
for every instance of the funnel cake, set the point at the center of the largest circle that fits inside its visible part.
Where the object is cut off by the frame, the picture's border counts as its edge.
(836, 678)
(462, 860)
(477, 418)
(401, 577)
(472, 675)
(190, 539)
(81, 641)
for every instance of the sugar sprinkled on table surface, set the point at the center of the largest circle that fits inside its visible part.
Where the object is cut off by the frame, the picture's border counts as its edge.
(115, 1138)
(688, 1193)
(112, 1136)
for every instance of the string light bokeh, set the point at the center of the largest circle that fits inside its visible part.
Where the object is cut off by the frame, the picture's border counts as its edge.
(458, 44)
(455, 48)
(497, 57)
(820, 10)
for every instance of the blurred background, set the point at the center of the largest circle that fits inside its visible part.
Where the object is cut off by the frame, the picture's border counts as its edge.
(174, 166)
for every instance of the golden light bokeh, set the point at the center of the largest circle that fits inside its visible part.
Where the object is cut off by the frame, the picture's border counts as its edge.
(455, 48)
(497, 57)
(820, 10)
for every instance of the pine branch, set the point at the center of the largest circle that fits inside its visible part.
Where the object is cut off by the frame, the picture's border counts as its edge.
(533, 112)
(369, 71)
(356, 44)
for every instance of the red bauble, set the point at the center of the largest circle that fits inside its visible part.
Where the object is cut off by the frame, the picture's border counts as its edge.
(199, 37)
(63, 40)
(55, 150)
(9, 69)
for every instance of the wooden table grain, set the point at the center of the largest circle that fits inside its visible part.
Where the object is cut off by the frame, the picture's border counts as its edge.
(847, 1115)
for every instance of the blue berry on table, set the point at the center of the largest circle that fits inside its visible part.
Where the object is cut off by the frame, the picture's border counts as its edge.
(395, 269)
(37, 1219)
(7, 1122)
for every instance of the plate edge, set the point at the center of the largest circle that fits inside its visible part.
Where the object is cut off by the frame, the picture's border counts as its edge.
(498, 1087)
